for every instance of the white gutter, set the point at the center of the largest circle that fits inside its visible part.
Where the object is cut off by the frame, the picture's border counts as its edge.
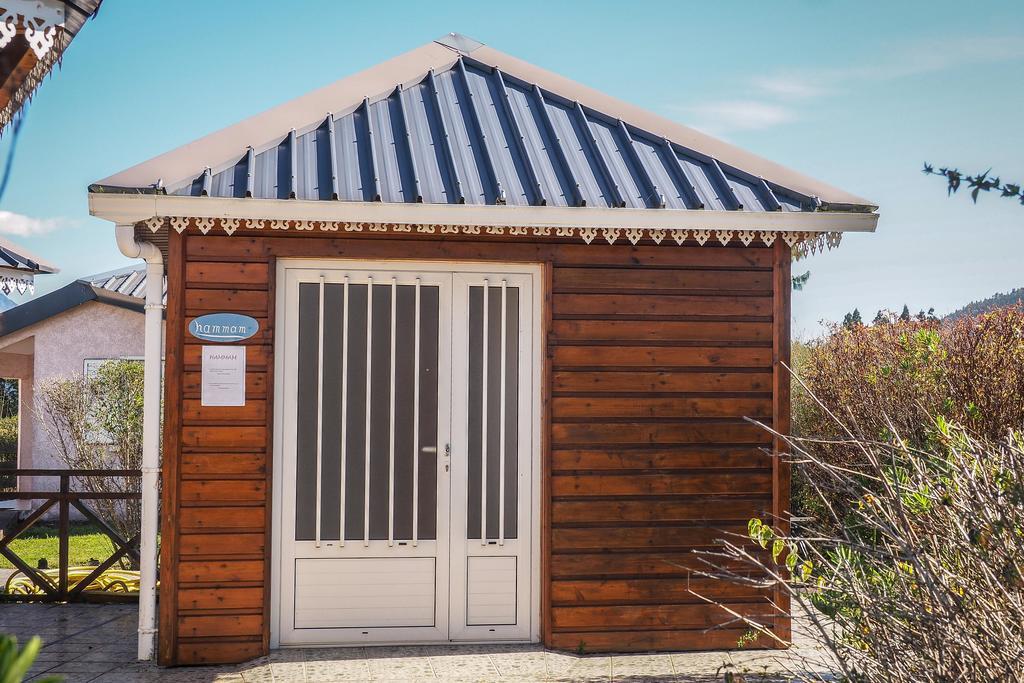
(150, 430)
(132, 208)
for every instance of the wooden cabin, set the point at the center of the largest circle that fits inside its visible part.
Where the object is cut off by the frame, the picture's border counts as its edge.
(491, 343)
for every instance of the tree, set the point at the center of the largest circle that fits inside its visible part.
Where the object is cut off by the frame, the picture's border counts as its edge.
(978, 183)
(880, 317)
(8, 397)
(95, 422)
(800, 280)
(905, 315)
(852, 319)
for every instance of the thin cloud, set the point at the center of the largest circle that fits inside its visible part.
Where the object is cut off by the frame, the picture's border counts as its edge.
(789, 87)
(25, 226)
(734, 115)
(770, 99)
(923, 58)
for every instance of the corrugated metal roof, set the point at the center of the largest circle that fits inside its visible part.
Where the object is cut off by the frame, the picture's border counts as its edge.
(17, 258)
(472, 134)
(130, 281)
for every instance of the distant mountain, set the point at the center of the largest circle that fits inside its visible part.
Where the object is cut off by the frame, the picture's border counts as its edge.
(1015, 296)
(6, 303)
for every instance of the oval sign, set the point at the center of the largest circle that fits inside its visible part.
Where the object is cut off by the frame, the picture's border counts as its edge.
(223, 327)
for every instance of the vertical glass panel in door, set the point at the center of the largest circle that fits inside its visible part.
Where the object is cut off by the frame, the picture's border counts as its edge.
(367, 384)
(493, 411)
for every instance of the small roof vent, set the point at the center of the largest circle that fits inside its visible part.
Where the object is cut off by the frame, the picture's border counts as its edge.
(459, 43)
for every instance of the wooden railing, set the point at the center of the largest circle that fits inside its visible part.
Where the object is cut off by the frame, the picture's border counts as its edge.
(65, 499)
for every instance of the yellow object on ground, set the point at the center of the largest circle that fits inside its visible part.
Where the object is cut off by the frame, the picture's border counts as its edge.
(110, 581)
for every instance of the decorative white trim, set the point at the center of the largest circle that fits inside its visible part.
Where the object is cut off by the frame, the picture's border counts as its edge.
(17, 282)
(133, 208)
(803, 243)
(40, 19)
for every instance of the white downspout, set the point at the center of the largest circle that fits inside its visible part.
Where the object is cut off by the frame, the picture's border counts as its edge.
(150, 430)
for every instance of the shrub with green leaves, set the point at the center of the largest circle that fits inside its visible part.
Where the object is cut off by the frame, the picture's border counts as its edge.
(895, 376)
(8, 436)
(15, 662)
(919, 576)
(95, 422)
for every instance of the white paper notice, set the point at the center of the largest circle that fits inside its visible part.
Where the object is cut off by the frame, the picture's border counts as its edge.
(223, 376)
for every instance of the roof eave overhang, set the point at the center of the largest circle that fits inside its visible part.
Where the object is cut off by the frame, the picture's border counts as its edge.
(134, 208)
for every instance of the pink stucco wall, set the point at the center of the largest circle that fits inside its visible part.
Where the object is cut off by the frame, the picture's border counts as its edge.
(62, 344)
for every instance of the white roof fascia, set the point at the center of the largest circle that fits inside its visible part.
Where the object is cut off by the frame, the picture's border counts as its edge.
(133, 208)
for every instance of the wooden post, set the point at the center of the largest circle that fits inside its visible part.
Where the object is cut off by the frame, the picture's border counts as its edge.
(174, 343)
(545, 455)
(782, 290)
(62, 537)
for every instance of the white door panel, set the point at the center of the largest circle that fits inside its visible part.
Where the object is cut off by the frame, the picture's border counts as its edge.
(405, 427)
(492, 453)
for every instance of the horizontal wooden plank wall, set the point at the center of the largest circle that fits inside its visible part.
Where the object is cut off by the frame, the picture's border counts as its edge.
(654, 368)
(655, 354)
(221, 509)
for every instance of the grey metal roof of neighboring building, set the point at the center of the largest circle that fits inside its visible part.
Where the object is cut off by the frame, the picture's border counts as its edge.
(467, 131)
(17, 258)
(124, 287)
(130, 281)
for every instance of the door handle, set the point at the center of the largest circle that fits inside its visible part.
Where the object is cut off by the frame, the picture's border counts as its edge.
(447, 455)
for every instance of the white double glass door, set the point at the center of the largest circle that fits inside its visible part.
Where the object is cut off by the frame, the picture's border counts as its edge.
(405, 447)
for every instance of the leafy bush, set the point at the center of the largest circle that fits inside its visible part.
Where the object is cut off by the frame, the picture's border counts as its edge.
(96, 423)
(8, 436)
(921, 577)
(15, 663)
(908, 450)
(895, 377)
(8, 450)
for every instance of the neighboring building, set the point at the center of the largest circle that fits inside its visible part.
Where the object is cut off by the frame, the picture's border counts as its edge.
(67, 333)
(18, 269)
(509, 330)
(33, 37)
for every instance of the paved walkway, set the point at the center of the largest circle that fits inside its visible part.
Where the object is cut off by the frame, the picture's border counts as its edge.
(96, 643)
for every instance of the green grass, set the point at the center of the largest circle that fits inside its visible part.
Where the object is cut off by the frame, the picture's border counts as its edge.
(85, 542)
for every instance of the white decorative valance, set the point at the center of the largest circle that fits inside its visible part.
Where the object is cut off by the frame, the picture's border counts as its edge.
(15, 281)
(802, 243)
(39, 19)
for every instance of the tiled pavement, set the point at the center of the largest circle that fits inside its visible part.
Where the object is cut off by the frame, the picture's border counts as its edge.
(96, 643)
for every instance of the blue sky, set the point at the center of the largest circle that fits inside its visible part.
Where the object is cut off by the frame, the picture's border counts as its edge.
(856, 94)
